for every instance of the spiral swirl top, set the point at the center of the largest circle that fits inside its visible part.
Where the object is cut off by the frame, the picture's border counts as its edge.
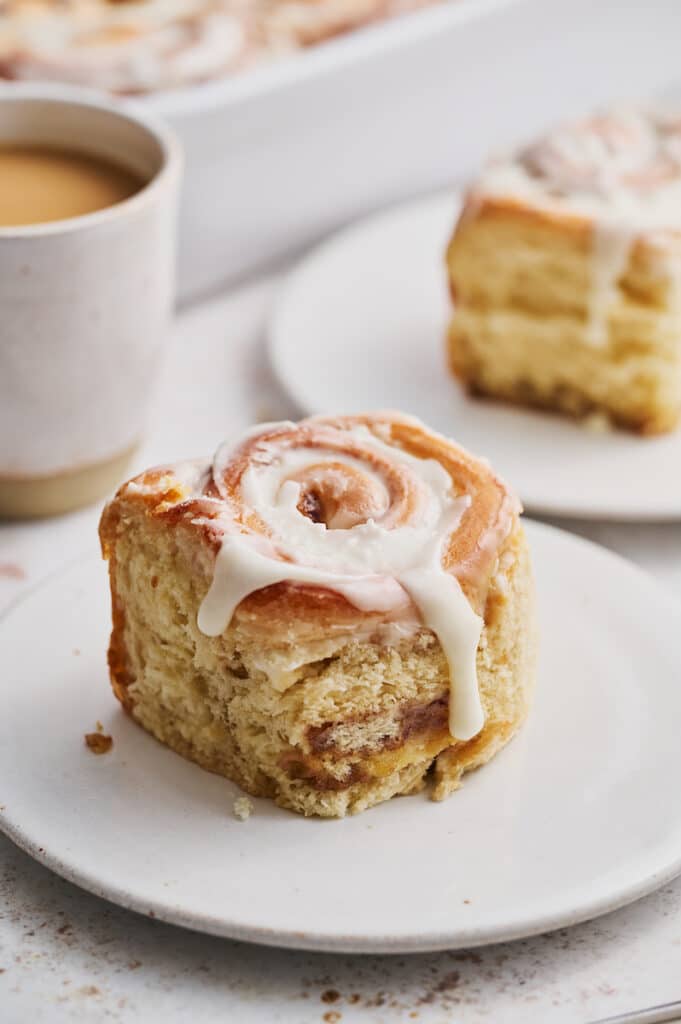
(141, 46)
(623, 163)
(607, 151)
(123, 47)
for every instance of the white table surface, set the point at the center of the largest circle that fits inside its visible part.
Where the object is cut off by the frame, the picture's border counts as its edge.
(68, 956)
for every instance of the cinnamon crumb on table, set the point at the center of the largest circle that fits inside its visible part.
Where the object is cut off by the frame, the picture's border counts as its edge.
(98, 742)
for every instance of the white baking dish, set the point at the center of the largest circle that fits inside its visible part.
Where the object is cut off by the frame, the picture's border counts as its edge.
(282, 154)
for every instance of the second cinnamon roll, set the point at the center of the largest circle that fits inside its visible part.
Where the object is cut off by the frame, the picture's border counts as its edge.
(565, 272)
(324, 612)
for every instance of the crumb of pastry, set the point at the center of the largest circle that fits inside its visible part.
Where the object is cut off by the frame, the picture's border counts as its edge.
(597, 423)
(243, 808)
(98, 742)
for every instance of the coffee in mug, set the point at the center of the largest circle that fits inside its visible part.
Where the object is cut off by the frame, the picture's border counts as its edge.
(88, 197)
(39, 184)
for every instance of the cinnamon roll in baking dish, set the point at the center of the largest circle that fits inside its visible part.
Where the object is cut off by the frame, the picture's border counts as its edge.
(565, 269)
(139, 46)
(124, 46)
(329, 613)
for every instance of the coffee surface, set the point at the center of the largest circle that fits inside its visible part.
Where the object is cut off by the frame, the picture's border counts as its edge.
(39, 184)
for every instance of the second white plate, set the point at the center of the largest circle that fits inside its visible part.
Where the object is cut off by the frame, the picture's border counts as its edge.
(361, 325)
(578, 815)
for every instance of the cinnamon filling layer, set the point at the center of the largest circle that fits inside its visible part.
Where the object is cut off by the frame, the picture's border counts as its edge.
(423, 733)
(417, 718)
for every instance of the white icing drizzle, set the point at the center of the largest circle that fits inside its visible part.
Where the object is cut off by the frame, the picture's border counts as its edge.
(129, 47)
(634, 177)
(156, 44)
(370, 564)
(611, 244)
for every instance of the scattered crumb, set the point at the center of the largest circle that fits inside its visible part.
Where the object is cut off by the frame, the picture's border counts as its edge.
(597, 423)
(76, 651)
(89, 990)
(243, 808)
(98, 742)
(448, 982)
(332, 1017)
(98, 726)
(12, 571)
(467, 901)
(330, 996)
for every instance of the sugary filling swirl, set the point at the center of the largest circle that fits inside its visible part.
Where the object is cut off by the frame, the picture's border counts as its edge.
(631, 150)
(382, 512)
(131, 46)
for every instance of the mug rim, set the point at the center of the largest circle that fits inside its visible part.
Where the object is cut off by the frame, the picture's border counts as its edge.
(74, 96)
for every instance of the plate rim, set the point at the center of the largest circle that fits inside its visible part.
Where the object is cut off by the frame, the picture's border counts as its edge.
(669, 512)
(452, 939)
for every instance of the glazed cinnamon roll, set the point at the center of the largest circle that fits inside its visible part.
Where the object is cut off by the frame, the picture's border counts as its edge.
(324, 612)
(124, 46)
(139, 46)
(565, 270)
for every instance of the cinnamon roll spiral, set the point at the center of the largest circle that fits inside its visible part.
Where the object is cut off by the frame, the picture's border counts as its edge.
(330, 606)
(606, 152)
(125, 48)
(377, 510)
(139, 46)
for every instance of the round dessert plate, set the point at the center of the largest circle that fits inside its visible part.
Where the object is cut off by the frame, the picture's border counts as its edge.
(361, 325)
(577, 816)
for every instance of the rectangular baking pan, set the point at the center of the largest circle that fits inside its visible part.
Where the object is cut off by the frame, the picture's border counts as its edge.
(278, 156)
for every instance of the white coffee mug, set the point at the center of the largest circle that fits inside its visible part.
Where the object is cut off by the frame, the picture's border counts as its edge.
(85, 305)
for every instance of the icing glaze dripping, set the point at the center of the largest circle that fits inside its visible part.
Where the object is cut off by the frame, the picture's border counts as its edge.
(376, 564)
(611, 246)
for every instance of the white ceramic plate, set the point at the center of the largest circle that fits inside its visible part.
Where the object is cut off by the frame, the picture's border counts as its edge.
(361, 325)
(577, 816)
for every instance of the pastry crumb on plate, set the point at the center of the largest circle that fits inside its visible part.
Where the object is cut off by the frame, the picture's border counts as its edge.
(243, 808)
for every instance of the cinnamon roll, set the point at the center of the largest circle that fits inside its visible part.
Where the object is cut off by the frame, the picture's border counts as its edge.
(124, 46)
(329, 613)
(139, 46)
(565, 270)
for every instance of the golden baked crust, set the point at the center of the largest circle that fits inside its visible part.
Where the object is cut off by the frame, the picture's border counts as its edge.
(302, 698)
(561, 300)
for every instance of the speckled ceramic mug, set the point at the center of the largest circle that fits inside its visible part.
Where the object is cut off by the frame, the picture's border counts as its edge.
(84, 306)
